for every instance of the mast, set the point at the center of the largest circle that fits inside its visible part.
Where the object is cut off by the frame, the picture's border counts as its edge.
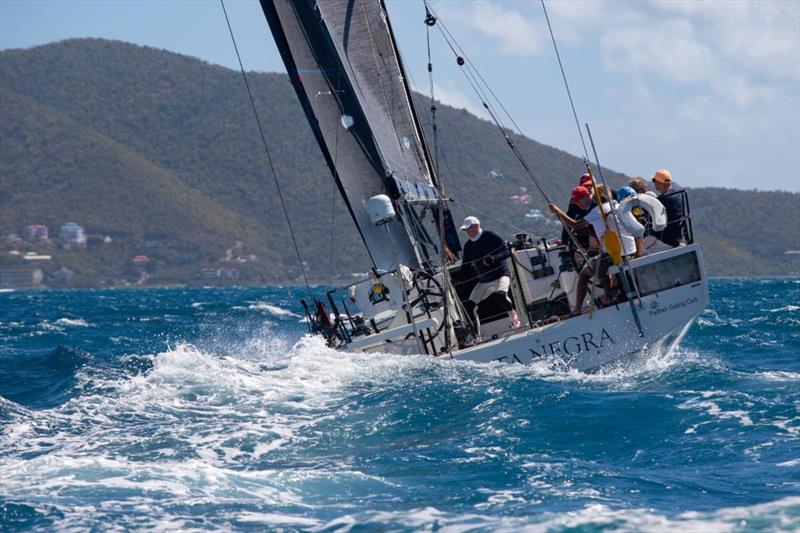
(343, 63)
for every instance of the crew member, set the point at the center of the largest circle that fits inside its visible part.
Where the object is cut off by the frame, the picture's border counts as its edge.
(579, 205)
(673, 202)
(630, 246)
(485, 253)
(638, 184)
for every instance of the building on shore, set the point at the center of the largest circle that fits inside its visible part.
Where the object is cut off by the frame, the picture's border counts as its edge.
(62, 276)
(18, 278)
(35, 232)
(220, 273)
(73, 234)
(33, 256)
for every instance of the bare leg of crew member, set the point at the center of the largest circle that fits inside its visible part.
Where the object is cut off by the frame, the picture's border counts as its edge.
(583, 284)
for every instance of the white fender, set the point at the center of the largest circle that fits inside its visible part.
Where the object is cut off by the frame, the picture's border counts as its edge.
(656, 210)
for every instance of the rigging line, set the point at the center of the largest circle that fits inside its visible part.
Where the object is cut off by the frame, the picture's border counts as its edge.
(470, 77)
(504, 131)
(331, 247)
(430, 20)
(392, 110)
(566, 84)
(473, 67)
(467, 73)
(375, 54)
(430, 80)
(470, 208)
(489, 215)
(266, 150)
(473, 78)
(475, 84)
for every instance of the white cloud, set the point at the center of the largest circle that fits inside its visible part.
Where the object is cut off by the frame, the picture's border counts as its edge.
(704, 82)
(667, 48)
(574, 22)
(744, 52)
(760, 36)
(742, 92)
(640, 89)
(517, 34)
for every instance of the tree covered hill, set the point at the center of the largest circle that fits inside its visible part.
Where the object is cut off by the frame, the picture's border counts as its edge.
(161, 152)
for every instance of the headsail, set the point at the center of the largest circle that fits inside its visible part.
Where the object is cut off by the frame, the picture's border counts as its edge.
(343, 63)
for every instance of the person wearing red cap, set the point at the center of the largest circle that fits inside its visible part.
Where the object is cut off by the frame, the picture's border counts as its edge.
(631, 246)
(579, 204)
(673, 202)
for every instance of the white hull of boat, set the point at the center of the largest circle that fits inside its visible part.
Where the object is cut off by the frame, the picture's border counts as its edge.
(594, 340)
(676, 292)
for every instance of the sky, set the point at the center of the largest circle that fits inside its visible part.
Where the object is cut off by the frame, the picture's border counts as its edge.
(707, 89)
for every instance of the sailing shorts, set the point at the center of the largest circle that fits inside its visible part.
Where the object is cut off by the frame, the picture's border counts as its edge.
(484, 290)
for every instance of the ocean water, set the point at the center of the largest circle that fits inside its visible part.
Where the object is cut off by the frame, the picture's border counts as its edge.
(208, 409)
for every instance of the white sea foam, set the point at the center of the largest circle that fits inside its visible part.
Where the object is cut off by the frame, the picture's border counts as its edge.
(779, 375)
(74, 322)
(274, 310)
(207, 425)
(785, 308)
(778, 515)
(222, 410)
(276, 519)
(707, 404)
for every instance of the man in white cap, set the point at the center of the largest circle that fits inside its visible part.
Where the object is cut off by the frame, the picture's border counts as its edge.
(485, 254)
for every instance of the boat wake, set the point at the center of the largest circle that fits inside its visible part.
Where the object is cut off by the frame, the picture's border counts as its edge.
(269, 432)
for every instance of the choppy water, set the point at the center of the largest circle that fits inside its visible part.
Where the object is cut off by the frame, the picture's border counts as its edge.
(207, 409)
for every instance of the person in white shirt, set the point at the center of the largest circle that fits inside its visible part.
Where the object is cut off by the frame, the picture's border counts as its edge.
(631, 246)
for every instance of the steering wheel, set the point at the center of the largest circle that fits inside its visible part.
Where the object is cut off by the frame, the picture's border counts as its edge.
(428, 288)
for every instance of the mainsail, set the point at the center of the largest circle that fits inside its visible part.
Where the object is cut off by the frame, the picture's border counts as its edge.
(343, 63)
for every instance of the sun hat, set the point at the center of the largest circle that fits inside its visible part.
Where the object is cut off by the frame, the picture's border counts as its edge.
(579, 193)
(662, 176)
(469, 221)
(624, 192)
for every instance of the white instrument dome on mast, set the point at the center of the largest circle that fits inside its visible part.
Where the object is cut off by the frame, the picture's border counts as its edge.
(380, 209)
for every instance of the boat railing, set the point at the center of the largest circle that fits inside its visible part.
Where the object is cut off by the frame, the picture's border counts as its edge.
(685, 219)
(421, 295)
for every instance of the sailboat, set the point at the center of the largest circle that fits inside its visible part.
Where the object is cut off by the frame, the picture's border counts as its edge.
(344, 64)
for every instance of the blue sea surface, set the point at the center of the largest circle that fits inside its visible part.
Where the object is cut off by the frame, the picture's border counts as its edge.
(210, 409)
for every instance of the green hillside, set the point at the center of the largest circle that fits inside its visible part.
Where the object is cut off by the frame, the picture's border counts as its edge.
(161, 152)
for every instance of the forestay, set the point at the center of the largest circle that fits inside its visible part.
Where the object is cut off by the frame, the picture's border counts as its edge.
(343, 63)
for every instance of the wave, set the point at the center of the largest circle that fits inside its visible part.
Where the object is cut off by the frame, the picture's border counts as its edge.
(272, 432)
(785, 308)
(273, 310)
(778, 515)
(75, 322)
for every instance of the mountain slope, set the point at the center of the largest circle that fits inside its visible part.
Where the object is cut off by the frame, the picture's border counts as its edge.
(166, 145)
